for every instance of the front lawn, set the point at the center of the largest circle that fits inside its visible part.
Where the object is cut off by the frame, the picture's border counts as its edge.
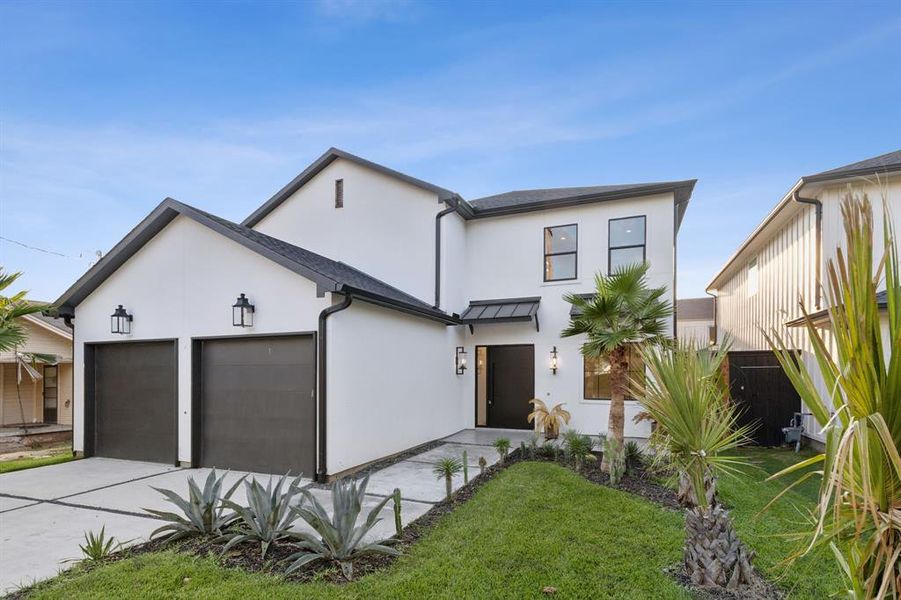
(29, 462)
(534, 525)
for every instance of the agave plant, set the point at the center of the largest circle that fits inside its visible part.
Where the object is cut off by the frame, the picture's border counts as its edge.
(502, 445)
(203, 511)
(687, 395)
(548, 420)
(98, 546)
(340, 538)
(860, 361)
(634, 455)
(447, 468)
(268, 516)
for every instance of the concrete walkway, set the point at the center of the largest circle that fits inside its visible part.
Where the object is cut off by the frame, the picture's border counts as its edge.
(44, 512)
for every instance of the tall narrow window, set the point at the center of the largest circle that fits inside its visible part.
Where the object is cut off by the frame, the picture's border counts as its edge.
(560, 248)
(753, 278)
(626, 244)
(339, 193)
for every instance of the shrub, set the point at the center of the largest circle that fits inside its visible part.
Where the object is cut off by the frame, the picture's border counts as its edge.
(340, 538)
(577, 448)
(98, 546)
(268, 516)
(502, 445)
(634, 454)
(203, 511)
(447, 468)
(548, 420)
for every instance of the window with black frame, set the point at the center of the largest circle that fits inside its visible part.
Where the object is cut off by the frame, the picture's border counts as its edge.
(626, 244)
(561, 252)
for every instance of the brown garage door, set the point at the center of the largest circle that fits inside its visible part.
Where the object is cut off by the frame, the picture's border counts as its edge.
(134, 401)
(257, 404)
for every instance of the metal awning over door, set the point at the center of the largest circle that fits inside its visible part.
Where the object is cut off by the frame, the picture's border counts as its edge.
(503, 310)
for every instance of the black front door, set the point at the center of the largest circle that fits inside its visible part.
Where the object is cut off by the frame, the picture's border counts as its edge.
(511, 384)
(763, 393)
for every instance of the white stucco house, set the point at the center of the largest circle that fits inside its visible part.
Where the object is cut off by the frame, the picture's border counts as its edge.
(380, 312)
(783, 262)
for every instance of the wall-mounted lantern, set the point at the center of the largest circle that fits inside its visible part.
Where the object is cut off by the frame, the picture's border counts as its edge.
(461, 360)
(554, 360)
(120, 321)
(242, 312)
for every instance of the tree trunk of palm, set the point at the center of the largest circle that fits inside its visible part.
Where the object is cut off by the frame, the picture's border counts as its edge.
(448, 485)
(713, 555)
(619, 368)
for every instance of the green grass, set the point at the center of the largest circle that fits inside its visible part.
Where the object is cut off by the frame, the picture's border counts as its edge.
(8, 466)
(535, 525)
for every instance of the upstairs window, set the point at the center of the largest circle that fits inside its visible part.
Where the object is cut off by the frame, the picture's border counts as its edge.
(339, 193)
(560, 252)
(626, 244)
(753, 277)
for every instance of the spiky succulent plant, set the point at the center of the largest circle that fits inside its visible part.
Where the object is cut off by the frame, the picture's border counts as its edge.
(203, 512)
(268, 516)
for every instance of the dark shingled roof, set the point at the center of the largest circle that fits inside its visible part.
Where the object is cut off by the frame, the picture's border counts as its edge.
(328, 274)
(883, 163)
(695, 308)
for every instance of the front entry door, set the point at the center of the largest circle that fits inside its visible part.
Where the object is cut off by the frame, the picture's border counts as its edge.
(511, 384)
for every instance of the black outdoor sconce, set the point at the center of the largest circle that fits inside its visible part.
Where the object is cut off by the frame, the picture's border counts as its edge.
(242, 312)
(461, 360)
(554, 360)
(120, 321)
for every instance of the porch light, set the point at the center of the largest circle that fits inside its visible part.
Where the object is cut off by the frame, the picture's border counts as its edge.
(120, 321)
(554, 360)
(461, 360)
(242, 312)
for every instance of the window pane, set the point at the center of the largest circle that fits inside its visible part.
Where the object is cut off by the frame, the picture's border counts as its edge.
(621, 257)
(562, 266)
(560, 239)
(597, 378)
(627, 232)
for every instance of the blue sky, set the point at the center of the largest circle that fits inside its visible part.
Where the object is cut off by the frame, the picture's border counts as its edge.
(107, 108)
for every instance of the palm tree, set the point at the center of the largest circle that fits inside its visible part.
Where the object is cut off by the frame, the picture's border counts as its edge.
(447, 468)
(697, 427)
(859, 508)
(624, 311)
(14, 334)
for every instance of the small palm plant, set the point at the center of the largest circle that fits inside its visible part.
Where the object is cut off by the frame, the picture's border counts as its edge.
(687, 395)
(340, 538)
(447, 468)
(577, 448)
(624, 312)
(858, 511)
(268, 516)
(203, 511)
(502, 445)
(548, 420)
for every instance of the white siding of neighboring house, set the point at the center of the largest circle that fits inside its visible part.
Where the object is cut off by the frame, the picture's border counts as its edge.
(386, 228)
(182, 284)
(504, 259)
(786, 262)
(391, 384)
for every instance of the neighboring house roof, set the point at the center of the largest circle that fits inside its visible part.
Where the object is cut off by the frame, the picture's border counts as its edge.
(501, 310)
(882, 164)
(695, 308)
(321, 163)
(329, 275)
(490, 206)
(50, 324)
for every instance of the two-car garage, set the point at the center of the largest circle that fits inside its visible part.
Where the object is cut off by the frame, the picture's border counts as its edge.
(253, 402)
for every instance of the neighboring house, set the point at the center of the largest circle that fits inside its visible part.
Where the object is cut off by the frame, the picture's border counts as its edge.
(48, 398)
(448, 318)
(783, 261)
(695, 321)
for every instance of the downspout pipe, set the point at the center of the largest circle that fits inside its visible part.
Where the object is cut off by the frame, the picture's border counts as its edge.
(796, 197)
(322, 470)
(452, 207)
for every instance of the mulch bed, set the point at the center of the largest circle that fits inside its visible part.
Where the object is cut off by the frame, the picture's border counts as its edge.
(638, 481)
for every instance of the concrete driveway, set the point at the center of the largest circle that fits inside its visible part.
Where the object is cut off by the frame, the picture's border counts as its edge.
(45, 512)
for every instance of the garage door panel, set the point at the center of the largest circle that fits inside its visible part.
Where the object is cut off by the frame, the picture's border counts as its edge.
(257, 405)
(135, 401)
